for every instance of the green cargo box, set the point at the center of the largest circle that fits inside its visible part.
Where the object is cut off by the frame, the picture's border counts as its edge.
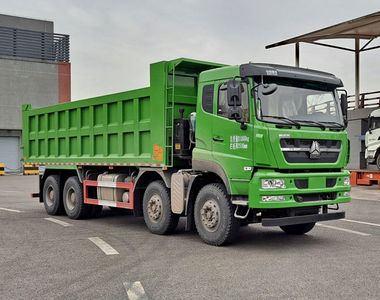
(127, 128)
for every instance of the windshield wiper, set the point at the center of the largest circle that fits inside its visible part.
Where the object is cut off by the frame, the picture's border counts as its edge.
(290, 121)
(323, 127)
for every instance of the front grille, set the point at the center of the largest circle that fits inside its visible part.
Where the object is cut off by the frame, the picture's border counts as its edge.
(310, 151)
(315, 197)
(304, 157)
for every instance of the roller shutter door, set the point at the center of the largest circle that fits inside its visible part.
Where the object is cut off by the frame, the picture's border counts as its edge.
(10, 152)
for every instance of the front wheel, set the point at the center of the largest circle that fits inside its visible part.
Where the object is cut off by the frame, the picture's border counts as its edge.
(214, 215)
(298, 229)
(378, 161)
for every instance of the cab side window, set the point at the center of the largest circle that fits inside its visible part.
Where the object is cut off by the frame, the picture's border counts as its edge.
(207, 98)
(223, 103)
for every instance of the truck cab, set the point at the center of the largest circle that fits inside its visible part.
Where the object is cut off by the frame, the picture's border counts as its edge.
(372, 139)
(276, 136)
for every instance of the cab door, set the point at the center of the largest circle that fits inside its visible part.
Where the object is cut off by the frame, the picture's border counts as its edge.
(231, 145)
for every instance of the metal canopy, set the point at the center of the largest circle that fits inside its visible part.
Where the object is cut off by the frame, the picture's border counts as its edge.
(362, 28)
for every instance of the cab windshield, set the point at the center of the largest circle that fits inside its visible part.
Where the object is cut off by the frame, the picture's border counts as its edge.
(305, 103)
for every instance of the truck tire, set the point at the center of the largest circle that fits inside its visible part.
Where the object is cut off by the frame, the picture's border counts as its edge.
(73, 199)
(157, 212)
(95, 211)
(120, 210)
(298, 229)
(113, 208)
(214, 215)
(51, 195)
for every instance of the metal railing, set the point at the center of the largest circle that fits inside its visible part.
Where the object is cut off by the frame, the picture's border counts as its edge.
(327, 107)
(34, 44)
(366, 100)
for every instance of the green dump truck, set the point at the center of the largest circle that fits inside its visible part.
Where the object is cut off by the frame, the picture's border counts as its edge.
(221, 146)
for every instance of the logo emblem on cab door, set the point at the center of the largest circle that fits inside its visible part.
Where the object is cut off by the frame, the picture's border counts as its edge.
(315, 151)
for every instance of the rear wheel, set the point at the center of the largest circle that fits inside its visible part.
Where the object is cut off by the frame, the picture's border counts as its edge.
(113, 208)
(298, 229)
(214, 215)
(51, 195)
(95, 211)
(158, 216)
(120, 210)
(73, 199)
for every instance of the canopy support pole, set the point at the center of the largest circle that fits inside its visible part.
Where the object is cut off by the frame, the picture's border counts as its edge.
(297, 54)
(357, 71)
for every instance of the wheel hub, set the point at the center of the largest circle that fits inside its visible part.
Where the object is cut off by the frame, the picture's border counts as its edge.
(50, 196)
(155, 208)
(71, 199)
(210, 215)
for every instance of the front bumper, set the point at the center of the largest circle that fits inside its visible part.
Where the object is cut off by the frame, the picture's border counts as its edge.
(302, 219)
(318, 191)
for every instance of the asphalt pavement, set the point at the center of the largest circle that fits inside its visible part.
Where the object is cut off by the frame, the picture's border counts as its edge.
(115, 257)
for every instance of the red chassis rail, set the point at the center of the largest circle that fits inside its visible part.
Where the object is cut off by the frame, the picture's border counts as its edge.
(119, 185)
(365, 177)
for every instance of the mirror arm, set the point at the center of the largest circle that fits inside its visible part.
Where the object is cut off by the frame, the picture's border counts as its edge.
(243, 126)
(342, 90)
(243, 79)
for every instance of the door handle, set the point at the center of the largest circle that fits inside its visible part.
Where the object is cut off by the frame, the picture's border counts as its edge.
(218, 139)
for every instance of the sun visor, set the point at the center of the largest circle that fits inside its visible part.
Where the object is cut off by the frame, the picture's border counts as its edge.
(250, 70)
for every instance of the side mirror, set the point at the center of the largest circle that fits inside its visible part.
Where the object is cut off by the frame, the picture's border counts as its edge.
(344, 106)
(234, 100)
(269, 89)
(233, 93)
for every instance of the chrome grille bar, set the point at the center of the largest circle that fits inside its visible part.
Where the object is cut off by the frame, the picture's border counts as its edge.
(308, 149)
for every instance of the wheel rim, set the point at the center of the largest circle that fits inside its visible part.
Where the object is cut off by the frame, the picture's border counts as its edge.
(71, 199)
(155, 208)
(210, 215)
(49, 196)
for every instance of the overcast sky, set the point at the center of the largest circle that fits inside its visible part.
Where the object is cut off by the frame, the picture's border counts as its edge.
(113, 42)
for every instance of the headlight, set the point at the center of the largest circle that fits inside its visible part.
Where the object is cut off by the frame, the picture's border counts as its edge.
(346, 181)
(272, 198)
(273, 184)
(346, 194)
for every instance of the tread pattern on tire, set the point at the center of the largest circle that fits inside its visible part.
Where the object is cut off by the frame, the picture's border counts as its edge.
(95, 211)
(232, 226)
(83, 210)
(55, 181)
(298, 229)
(170, 224)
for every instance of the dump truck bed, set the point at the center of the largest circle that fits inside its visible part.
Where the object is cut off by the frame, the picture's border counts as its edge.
(110, 129)
(127, 128)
